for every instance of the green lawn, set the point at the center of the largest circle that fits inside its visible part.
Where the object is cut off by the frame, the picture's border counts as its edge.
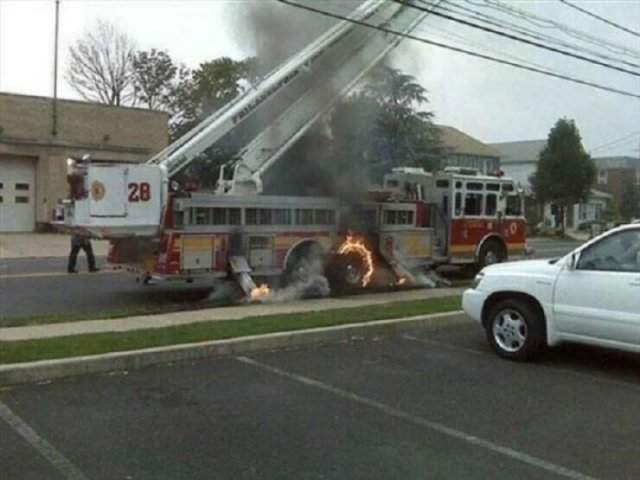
(61, 347)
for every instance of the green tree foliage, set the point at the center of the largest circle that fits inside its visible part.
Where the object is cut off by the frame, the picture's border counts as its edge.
(630, 200)
(154, 76)
(565, 172)
(198, 94)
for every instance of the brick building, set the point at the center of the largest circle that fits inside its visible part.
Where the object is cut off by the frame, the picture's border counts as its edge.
(615, 173)
(33, 158)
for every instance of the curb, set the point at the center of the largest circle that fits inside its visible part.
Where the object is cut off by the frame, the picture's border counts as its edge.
(31, 372)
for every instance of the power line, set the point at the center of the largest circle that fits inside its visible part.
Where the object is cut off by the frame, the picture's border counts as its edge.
(518, 39)
(626, 139)
(462, 50)
(474, 14)
(602, 19)
(546, 23)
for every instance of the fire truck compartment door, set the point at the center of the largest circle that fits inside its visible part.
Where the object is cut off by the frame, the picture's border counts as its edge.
(260, 251)
(197, 252)
(107, 191)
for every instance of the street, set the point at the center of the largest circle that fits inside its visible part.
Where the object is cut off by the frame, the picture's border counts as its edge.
(434, 404)
(31, 287)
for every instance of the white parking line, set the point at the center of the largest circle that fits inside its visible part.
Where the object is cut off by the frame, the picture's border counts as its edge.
(563, 371)
(422, 422)
(48, 451)
(9, 276)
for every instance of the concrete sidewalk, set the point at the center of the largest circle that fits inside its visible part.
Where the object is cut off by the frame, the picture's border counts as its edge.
(40, 245)
(214, 314)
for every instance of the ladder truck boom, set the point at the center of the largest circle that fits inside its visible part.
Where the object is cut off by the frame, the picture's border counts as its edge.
(116, 200)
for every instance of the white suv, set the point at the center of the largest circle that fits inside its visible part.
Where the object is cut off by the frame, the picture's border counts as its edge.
(592, 296)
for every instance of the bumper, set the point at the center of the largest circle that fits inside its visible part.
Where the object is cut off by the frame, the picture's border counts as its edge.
(472, 303)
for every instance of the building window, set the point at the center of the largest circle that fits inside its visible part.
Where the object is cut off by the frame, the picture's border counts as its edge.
(22, 186)
(603, 177)
(1, 185)
(1, 199)
(22, 199)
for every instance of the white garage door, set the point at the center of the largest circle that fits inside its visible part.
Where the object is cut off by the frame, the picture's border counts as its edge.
(17, 194)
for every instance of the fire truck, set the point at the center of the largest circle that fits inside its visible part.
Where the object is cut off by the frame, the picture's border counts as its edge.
(415, 221)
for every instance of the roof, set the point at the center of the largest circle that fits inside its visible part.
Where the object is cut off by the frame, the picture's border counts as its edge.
(459, 142)
(604, 163)
(525, 151)
(600, 194)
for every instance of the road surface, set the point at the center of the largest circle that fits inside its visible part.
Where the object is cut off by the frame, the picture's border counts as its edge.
(435, 404)
(31, 287)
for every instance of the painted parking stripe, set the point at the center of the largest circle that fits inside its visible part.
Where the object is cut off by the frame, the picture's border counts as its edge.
(422, 422)
(48, 451)
(9, 276)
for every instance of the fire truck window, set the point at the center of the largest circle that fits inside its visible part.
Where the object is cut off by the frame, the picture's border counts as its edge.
(178, 218)
(281, 216)
(219, 216)
(266, 216)
(493, 187)
(458, 184)
(304, 216)
(325, 217)
(474, 186)
(507, 187)
(251, 216)
(491, 204)
(202, 216)
(514, 206)
(473, 204)
(458, 204)
(259, 243)
(390, 217)
(234, 216)
(442, 183)
(405, 217)
(392, 183)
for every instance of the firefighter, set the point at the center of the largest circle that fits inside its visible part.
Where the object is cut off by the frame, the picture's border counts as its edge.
(79, 242)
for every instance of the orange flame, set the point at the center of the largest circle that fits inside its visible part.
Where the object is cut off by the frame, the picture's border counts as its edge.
(357, 246)
(261, 292)
(402, 280)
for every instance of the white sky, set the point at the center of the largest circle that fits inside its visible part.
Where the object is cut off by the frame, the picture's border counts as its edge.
(488, 101)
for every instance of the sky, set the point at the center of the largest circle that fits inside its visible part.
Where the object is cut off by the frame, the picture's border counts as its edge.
(493, 103)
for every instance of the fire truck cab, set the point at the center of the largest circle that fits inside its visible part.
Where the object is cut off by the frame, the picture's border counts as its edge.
(474, 218)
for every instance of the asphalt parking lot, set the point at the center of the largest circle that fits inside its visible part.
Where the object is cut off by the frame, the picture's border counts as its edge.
(436, 404)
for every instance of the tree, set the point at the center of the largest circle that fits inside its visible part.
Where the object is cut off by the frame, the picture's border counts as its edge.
(101, 66)
(630, 200)
(154, 75)
(198, 94)
(565, 172)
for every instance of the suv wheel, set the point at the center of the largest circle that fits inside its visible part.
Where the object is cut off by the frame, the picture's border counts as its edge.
(515, 330)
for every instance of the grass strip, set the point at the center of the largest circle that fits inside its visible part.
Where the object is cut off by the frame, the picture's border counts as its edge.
(93, 344)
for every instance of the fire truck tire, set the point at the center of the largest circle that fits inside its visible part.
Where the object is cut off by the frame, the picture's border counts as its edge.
(345, 274)
(492, 251)
(304, 270)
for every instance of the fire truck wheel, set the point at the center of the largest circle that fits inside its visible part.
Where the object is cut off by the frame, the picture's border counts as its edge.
(491, 252)
(345, 274)
(305, 271)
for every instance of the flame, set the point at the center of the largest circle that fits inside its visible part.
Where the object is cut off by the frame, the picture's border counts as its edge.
(402, 281)
(357, 246)
(261, 292)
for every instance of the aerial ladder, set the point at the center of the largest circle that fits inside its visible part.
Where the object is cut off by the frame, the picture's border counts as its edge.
(115, 201)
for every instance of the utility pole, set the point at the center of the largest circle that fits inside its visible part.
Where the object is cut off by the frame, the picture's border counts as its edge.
(54, 129)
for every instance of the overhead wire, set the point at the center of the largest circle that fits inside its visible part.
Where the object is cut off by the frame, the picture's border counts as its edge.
(479, 16)
(547, 23)
(518, 39)
(462, 50)
(602, 19)
(631, 137)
